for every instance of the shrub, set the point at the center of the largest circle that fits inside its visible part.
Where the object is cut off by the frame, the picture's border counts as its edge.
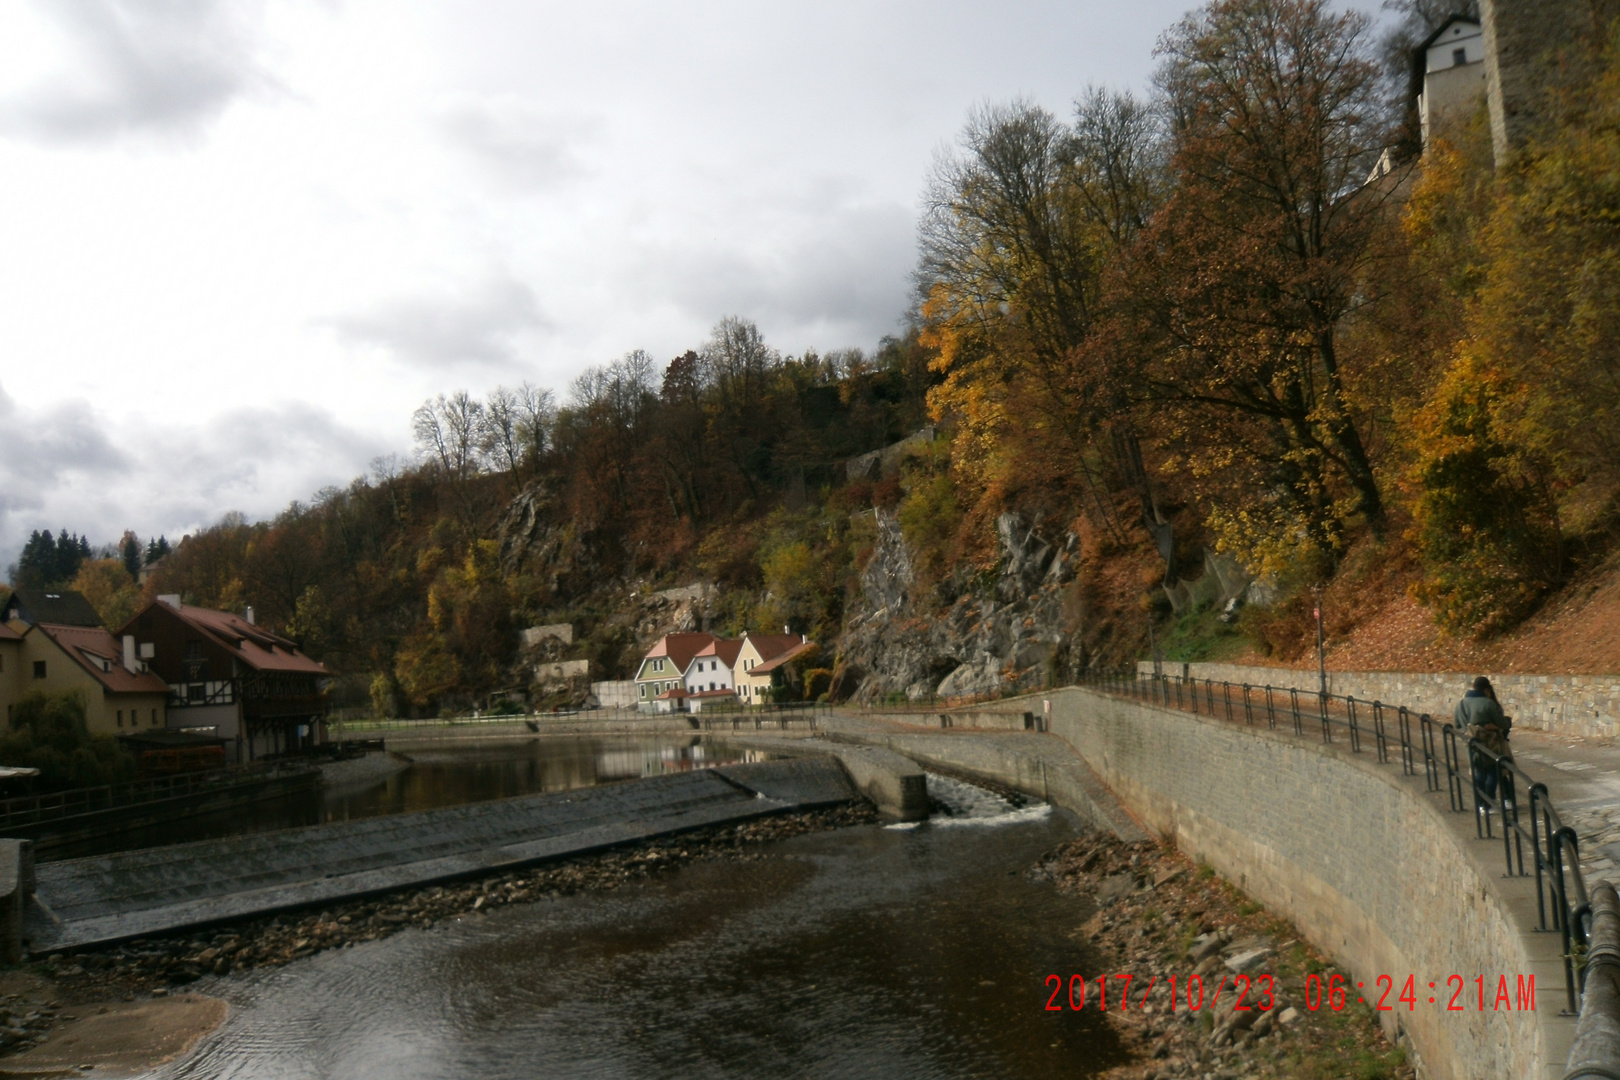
(48, 733)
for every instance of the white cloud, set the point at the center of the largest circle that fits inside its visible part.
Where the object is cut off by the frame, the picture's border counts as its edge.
(524, 148)
(137, 66)
(480, 326)
(396, 199)
(75, 467)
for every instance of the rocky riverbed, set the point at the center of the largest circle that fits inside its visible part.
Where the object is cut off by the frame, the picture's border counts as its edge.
(1159, 914)
(51, 990)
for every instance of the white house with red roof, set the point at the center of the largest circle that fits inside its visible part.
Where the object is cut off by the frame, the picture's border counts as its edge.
(664, 667)
(689, 671)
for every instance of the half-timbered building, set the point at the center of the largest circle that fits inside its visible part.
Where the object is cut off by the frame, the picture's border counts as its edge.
(232, 679)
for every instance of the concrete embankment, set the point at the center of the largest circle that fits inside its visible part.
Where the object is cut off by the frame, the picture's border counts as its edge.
(1370, 865)
(81, 902)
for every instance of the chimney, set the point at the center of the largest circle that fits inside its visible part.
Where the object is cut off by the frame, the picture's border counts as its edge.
(785, 629)
(172, 599)
(131, 665)
(249, 615)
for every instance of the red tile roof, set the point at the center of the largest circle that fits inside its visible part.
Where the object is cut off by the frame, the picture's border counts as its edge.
(679, 648)
(770, 646)
(781, 658)
(252, 645)
(725, 650)
(8, 634)
(100, 654)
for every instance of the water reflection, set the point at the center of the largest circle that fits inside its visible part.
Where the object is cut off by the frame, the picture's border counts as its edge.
(864, 953)
(477, 773)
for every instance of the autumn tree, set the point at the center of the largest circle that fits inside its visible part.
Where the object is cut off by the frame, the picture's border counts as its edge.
(1239, 293)
(1020, 225)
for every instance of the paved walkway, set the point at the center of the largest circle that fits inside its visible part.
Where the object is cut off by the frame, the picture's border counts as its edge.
(1583, 778)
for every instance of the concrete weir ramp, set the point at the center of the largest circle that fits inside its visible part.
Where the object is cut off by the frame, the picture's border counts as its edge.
(82, 902)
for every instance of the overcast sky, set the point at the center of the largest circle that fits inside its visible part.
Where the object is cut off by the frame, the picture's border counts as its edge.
(241, 241)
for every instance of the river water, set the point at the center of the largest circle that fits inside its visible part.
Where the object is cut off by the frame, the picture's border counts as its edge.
(869, 952)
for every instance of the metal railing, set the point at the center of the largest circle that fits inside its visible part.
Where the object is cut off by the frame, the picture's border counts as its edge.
(1535, 840)
(37, 809)
(931, 703)
(781, 716)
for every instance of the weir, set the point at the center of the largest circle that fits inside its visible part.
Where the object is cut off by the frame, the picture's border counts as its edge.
(77, 903)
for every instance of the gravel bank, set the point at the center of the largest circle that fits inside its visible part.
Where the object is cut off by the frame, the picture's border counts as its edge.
(1158, 915)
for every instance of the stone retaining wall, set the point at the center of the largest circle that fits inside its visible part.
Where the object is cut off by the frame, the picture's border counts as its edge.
(1370, 866)
(1585, 705)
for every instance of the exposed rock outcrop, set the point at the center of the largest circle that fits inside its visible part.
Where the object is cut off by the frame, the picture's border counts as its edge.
(1003, 632)
(539, 540)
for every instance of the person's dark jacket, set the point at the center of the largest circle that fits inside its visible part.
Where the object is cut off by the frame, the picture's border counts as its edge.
(1477, 709)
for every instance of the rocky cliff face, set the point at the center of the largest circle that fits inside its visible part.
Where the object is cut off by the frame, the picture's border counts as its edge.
(1005, 630)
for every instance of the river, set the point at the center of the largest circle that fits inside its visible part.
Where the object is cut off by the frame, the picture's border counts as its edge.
(876, 951)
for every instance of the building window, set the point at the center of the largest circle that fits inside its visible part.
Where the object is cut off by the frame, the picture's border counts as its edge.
(1459, 57)
(643, 690)
(120, 717)
(154, 718)
(194, 692)
(39, 669)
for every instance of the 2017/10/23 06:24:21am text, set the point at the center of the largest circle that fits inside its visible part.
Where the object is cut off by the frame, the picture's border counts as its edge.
(1333, 992)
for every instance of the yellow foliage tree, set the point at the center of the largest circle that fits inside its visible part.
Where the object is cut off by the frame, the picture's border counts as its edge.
(110, 590)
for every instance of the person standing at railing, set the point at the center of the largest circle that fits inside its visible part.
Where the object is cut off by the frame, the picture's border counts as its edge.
(1481, 716)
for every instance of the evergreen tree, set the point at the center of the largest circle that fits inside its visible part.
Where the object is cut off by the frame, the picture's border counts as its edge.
(129, 550)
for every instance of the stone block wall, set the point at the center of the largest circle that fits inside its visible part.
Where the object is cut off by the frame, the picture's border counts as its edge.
(1583, 705)
(1371, 867)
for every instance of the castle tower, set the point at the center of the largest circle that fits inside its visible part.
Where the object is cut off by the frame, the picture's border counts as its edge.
(1530, 46)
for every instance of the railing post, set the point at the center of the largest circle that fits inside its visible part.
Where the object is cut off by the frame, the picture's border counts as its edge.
(1448, 741)
(1248, 706)
(1293, 705)
(1226, 692)
(1378, 732)
(1505, 793)
(1355, 732)
(1431, 767)
(1271, 709)
(1404, 718)
(1327, 726)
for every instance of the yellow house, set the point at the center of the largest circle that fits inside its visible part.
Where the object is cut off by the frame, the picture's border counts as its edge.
(760, 661)
(120, 695)
(10, 662)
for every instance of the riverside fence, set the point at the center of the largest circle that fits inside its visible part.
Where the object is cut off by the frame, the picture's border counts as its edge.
(29, 810)
(1535, 840)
